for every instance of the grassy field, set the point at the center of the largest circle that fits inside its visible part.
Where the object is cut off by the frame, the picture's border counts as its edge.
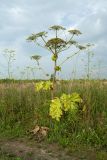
(22, 108)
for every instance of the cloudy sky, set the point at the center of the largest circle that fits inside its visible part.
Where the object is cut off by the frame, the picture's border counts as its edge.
(20, 18)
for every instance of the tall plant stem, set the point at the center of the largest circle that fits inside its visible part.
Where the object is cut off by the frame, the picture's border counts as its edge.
(9, 61)
(54, 75)
(88, 75)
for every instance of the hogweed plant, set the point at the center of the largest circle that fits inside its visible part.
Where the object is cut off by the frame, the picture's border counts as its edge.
(62, 41)
(90, 54)
(10, 57)
(88, 67)
(37, 59)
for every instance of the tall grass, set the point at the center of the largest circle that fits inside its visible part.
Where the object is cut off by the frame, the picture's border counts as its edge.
(21, 108)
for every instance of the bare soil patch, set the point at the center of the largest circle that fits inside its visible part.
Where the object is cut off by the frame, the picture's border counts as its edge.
(29, 150)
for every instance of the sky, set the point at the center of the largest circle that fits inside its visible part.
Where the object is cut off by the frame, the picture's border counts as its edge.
(21, 18)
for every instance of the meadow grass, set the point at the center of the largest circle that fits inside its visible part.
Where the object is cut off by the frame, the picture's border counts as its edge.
(21, 108)
(9, 157)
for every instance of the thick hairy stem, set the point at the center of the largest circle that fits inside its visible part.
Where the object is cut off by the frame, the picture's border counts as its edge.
(54, 81)
(54, 75)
